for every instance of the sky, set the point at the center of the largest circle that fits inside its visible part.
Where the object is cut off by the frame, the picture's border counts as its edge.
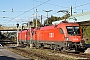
(21, 11)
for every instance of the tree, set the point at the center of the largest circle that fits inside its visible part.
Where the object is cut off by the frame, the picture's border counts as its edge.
(65, 16)
(38, 22)
(54, 18)
(0, 25)
(49, 20)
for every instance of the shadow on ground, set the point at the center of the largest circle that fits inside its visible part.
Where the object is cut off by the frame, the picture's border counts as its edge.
(10, 58)
(6, 58)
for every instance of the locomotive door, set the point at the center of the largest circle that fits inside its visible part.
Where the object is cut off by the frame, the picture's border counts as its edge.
(27, 34)
(61, 36)
(35, 35)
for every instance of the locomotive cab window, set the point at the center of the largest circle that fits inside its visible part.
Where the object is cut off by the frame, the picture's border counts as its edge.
(61, 31)
(73, 30)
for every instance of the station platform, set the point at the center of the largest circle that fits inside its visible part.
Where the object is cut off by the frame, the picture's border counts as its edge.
(8, 55)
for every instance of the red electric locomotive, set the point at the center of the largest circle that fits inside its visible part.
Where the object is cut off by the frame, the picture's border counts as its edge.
(64, 36)
(24, 36)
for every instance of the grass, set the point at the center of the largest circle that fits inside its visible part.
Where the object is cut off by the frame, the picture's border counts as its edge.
(86, 34)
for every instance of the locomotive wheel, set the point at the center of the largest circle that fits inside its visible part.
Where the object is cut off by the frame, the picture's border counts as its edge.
(38, 46)
(52, 47)
(55, 48)
(62, 49)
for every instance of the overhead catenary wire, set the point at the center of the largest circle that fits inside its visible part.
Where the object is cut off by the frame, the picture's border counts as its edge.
(66, 7)
(52, 4)
(46, 2)
(76, 6)
(31, 9)
(81, 5)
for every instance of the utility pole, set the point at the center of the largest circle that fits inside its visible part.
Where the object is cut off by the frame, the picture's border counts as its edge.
(41, 19)
(33, 20)
(36, 18)
(71, 11)
(82, 11)
(29, 26)
(47, 13)
(17, 34)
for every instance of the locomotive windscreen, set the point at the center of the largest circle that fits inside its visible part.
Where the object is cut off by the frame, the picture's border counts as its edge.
(73, 30)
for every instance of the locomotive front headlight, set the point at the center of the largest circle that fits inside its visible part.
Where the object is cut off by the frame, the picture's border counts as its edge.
(67, 39)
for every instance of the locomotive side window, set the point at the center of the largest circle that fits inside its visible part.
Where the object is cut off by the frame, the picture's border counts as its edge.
(32, 32)
(61, 31)
(73, 30)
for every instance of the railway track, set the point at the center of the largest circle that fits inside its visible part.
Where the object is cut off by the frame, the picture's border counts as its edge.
(47, 54)
(36, 54)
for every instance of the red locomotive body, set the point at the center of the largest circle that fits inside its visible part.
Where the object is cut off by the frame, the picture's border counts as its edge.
(22, 36)
(64, 36)
(59, 33)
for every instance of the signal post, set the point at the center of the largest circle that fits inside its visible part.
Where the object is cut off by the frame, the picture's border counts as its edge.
(29, 26)
(17, 34)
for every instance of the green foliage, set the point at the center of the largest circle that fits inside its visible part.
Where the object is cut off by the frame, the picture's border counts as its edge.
(86, 33)
(0, 25)
(54, 18)
(51, 19)
(38, 23)
(65, 16)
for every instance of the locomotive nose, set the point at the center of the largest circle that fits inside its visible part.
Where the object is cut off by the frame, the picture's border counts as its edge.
(75, 38)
